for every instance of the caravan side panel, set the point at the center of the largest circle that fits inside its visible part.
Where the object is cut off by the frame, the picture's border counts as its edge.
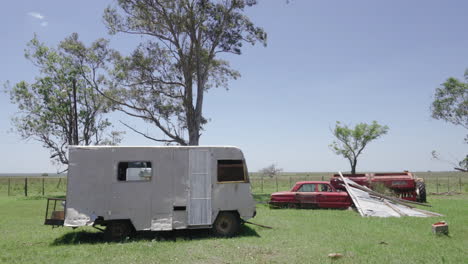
(162, 190)
(88, 188)
(130, 199)
(200, 179)
(179, 174)
(231, 196)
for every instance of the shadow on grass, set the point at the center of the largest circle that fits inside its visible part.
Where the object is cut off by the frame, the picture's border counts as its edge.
(80, 237)
(87, 237)
(312, 208)
(37, 197)
(262, 198)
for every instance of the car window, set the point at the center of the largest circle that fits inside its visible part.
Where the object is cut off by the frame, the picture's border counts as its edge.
(307, 188)
(325, 188)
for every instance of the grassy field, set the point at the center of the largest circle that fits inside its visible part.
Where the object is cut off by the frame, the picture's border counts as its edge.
(299, 236)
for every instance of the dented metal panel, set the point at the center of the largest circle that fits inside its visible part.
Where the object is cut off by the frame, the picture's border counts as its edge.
(162, 222)
(199, 208)
(368, 204)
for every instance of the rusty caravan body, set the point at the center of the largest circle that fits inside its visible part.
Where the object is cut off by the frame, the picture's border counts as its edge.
(156, 188)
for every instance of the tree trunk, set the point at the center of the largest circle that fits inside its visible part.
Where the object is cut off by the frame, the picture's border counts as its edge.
(75, 115)
(194, 135)
(353, 166)
(192, 126)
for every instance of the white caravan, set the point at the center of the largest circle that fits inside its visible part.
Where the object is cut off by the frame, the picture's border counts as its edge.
(156, 189)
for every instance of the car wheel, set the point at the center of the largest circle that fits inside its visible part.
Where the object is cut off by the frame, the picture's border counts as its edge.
(227, 224)
(118, 230)
(293, 206)
(421, 192)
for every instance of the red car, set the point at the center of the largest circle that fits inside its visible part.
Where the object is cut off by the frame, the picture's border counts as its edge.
(311, 194)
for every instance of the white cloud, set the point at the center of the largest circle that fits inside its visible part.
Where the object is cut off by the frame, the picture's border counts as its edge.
(36, 15)
(40, 17)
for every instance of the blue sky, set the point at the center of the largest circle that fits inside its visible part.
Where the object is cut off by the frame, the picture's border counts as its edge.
(352, 61)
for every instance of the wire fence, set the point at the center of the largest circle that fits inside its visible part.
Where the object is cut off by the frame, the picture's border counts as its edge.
(436, 183)
(33, 186)
(440, 183)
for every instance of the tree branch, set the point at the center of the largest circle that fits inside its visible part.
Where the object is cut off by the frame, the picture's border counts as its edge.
(149, 137)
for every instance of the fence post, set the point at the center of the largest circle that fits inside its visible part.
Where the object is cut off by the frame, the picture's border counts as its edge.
(9, 186)
(43, 192)
(448, 184)
(459, 183)
(276, 182)
(322, 177)
(262, 181)
(437, 184)
(25, 186)
(290, 182)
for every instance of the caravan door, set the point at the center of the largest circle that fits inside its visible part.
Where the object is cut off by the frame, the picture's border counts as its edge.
(131, 189)
(199, 206)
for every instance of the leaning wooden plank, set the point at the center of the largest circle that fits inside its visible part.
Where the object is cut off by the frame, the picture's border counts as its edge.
(357, 186)
(427, 212)
(395, 198)
(264, 226)
(351, 194)
(372, 205)
(394, 208)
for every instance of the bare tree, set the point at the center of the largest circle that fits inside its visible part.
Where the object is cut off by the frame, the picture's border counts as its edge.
(457, 165)
(271, 171)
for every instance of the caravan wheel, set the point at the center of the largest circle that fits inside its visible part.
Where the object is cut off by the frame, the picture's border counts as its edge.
(227, 224)
(118, 230)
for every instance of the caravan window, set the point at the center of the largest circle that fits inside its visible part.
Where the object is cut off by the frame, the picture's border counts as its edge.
(231, 171)
(134, 171)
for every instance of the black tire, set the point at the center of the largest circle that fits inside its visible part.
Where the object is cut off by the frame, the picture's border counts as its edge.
(421, 192)
(227, 224)
(118, 230)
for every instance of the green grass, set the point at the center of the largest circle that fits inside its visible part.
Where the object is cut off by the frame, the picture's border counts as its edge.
(299, 236)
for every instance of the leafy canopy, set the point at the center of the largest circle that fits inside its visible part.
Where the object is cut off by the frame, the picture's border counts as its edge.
(351, 142)
(451, 105)
(164, 80)
(61, 107)
(451, 102)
